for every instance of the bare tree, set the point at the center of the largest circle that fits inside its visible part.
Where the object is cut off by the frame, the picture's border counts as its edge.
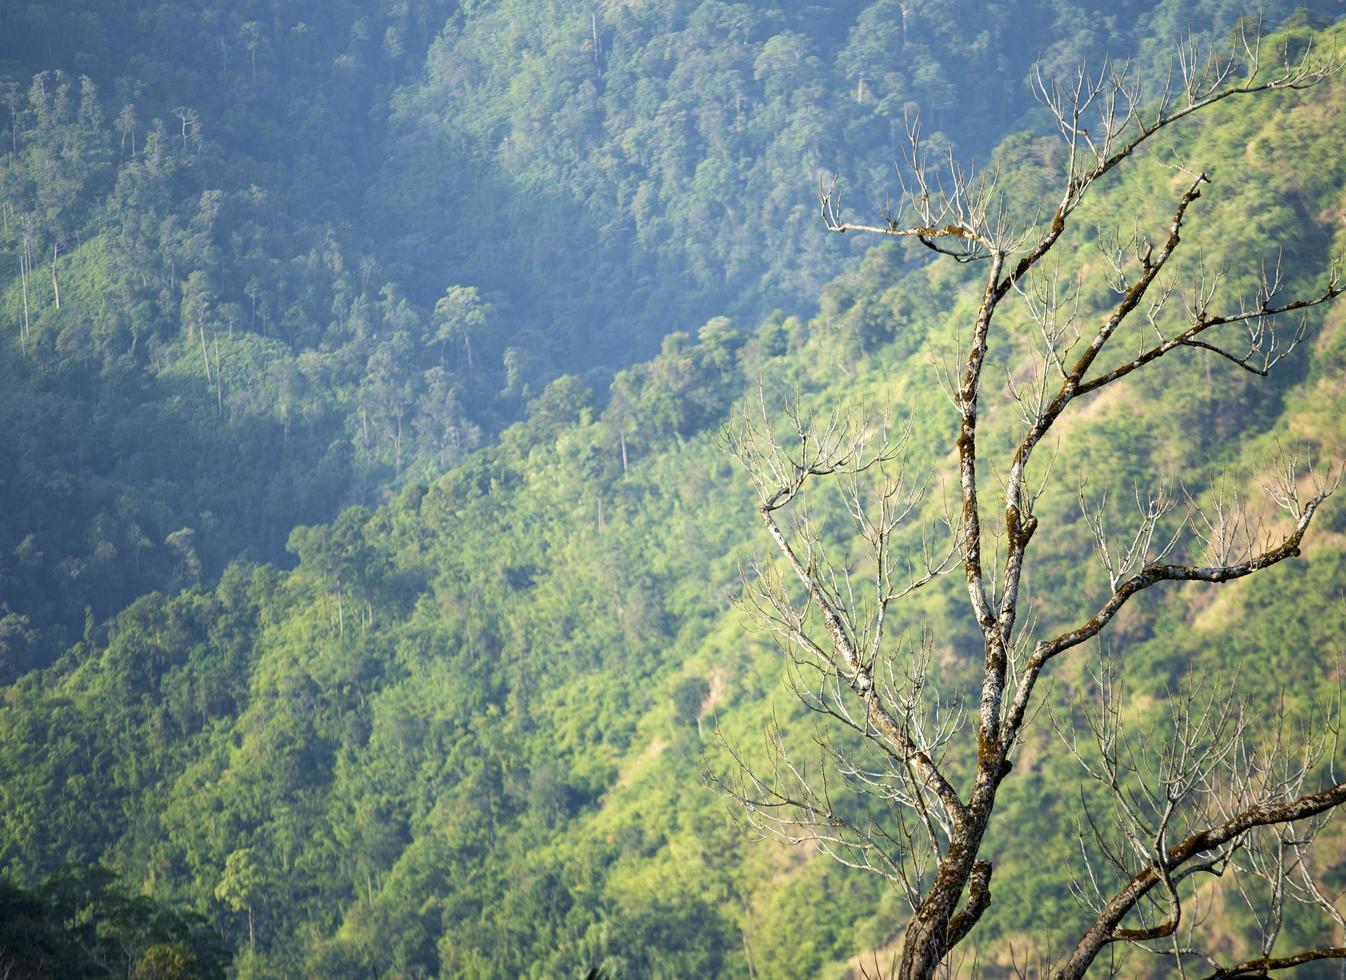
(26, 242)
(191, 126)
(1210, 799)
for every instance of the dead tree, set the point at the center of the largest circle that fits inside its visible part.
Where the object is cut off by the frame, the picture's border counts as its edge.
(928, 765)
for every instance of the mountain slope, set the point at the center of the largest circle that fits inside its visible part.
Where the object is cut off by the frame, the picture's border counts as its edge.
(464, 736)
(262, 261)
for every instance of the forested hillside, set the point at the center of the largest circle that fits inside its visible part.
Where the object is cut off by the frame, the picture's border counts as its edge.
(263, 261)
(364, 501)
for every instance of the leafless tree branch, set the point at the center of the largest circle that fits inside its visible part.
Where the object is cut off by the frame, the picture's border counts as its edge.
(1203, 801)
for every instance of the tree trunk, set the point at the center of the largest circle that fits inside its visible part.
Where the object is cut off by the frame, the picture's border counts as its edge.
(205, 356)
(55, 285)
(939, 924)
(23, 273)
(926, 941)
(219, 381)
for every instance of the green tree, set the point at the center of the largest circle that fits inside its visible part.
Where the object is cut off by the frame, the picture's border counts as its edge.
(243, 884)
(460, 314)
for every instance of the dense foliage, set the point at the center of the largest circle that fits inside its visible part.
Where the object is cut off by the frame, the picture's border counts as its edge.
(81, 922)
(464, 735)
(259, 262)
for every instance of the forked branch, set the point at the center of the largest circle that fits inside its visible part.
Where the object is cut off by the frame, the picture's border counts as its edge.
(1106, 928)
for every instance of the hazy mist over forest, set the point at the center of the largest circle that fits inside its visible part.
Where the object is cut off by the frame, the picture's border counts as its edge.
(558, 489)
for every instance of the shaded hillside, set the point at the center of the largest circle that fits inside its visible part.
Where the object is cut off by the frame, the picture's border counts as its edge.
(258, 262)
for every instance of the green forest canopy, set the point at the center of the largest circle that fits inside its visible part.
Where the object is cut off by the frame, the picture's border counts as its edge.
(308, 252)
(463, 734)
